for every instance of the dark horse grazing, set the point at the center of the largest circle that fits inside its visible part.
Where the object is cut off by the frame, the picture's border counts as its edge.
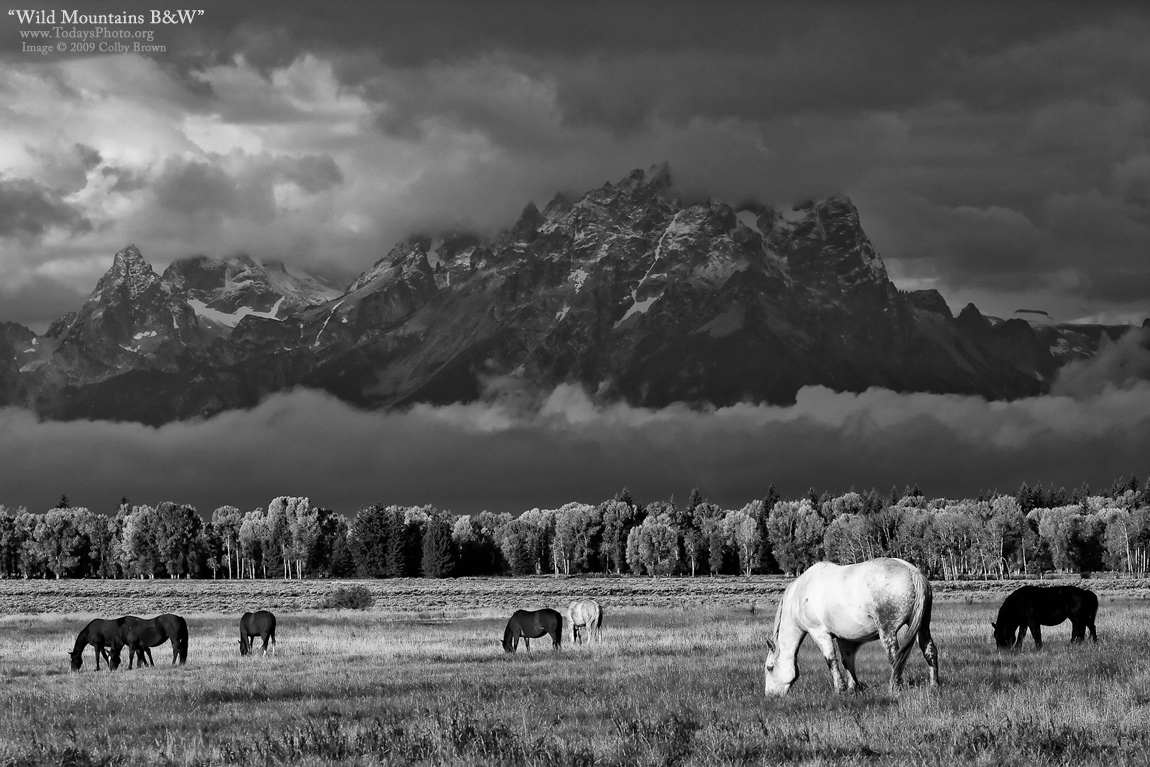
(100, 633)
(1034, 606)
(532, 624)
(259, 624)
(142, 633)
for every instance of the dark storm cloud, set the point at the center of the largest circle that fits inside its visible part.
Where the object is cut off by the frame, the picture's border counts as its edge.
(28, 207)
(196, 187)
(239, 185)
(124, 180)
(37, 302)
(493, 456)
(312, 173)
(65, 170)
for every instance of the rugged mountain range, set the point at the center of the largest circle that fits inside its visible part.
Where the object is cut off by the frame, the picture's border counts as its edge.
(625, 291)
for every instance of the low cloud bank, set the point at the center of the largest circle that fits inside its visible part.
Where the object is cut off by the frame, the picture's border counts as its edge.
(500, 457)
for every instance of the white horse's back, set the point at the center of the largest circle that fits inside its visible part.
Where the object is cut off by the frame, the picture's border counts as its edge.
(844, 606)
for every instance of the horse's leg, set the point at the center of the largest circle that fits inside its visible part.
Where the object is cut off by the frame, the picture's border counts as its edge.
(99, 652)
(896, 656)
(1036, 632)
(1077, 632)
(1021, 636)
(929, 653)
(527, 642)
(830, 650)
(266, 638)
(1093, 636)
(847, 652)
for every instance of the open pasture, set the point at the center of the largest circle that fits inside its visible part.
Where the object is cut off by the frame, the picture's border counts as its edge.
(665, 687)
(431, 595)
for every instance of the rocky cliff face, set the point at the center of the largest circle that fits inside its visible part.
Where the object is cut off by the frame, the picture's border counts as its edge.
(625, 291)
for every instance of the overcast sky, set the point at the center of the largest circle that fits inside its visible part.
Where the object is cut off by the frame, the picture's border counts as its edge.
(999, 152)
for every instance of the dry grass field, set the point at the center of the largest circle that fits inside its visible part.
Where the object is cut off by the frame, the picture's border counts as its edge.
(670, 685)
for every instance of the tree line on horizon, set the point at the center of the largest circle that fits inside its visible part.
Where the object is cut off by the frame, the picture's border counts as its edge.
(992, 535)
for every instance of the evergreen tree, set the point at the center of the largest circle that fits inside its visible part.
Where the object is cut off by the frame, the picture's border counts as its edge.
(9, 542)
(371, 538)
(439, 554)
(342, 563)
(1024, 498)
(771, 498)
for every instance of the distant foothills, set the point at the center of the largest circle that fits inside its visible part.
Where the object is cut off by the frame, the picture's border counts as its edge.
(993, 536)
(624, 291)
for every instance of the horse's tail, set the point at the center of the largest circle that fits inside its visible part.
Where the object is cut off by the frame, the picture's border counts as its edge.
(1091, 605)
(918, 622)
(182, 635)
(599, 621)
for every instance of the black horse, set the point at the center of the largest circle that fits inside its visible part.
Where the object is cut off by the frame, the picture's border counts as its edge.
(531, 624)
(140, 634)
(1034, 606)
(259, 624)
(100, 633)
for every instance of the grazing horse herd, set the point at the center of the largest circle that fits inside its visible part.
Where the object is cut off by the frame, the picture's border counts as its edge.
(841, 607)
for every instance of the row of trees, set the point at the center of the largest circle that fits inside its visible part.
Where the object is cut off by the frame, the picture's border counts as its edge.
(990, 536)
(290, 538)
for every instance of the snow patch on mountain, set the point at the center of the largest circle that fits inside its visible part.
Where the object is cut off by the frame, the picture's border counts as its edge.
(749, 220)
(434, 259)
(325, 322)
(637, 307)
(231, 319)
(579, 276)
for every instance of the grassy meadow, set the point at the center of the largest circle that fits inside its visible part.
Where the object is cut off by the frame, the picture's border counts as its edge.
(667, 686)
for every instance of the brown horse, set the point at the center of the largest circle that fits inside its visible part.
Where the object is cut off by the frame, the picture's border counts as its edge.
(531, 624)
(258, 624)
(142, 633)
(100, 633)
(1034, 606)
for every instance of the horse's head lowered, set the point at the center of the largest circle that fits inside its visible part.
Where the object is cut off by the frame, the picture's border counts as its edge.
(773, 685)
(77, 659)
(1003, 636)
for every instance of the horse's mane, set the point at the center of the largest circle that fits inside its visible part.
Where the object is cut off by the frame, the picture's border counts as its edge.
(779, 612)
(508, 631)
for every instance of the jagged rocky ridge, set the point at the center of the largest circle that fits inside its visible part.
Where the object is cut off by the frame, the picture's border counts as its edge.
(624, 291)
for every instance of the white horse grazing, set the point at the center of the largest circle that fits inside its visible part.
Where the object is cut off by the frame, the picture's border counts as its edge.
(585, 613)
(842, 607)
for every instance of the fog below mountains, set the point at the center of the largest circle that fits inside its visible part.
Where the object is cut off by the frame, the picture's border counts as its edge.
(517, 451)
